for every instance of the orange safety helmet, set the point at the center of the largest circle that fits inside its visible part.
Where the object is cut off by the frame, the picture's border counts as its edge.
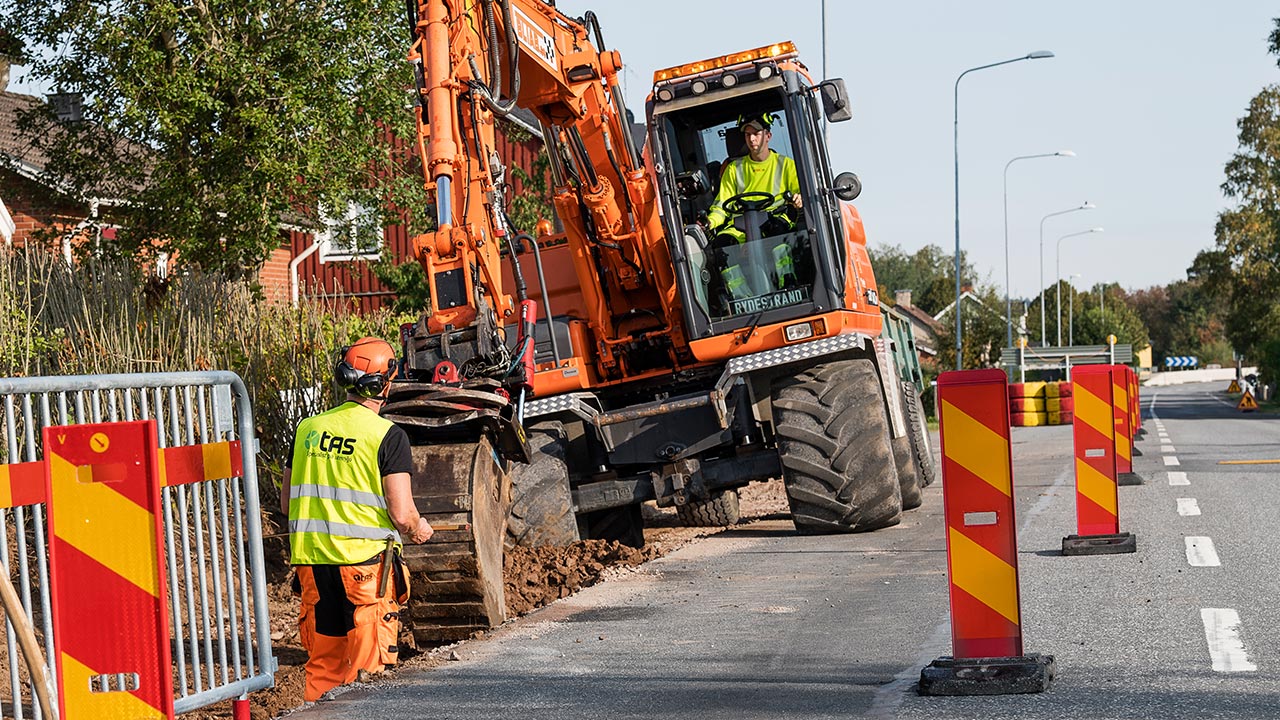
(367, 367)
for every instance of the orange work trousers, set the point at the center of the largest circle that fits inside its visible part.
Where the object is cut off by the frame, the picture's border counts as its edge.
(344, 625)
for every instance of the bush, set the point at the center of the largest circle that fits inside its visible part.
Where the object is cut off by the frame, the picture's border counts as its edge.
(108, 317)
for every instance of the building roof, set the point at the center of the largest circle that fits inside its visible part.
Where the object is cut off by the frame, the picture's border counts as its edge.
(28, 160)
(19, 153)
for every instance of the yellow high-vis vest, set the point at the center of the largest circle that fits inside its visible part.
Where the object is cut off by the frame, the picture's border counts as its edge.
(337, 508)
(774, 175)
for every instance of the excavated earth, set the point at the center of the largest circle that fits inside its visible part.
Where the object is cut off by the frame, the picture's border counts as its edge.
(533, 577)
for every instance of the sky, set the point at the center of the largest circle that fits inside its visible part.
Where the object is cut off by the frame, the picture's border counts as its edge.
(1147, 94)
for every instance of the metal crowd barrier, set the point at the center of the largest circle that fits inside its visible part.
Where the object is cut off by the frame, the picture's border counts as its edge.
(219, 624)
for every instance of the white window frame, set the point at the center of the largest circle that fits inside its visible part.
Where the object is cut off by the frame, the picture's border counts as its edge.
(330, 251)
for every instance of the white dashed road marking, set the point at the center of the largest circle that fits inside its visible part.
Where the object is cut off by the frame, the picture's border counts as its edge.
(1170, 461)
(1167, 449)
(1222, 633)
(1200, 552)
(1188, 506)
(1178, 478)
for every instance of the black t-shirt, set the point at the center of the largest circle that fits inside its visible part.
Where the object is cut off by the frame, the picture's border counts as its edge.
(394, 455)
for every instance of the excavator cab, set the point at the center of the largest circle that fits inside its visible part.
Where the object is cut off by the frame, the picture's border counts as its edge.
(771, 261)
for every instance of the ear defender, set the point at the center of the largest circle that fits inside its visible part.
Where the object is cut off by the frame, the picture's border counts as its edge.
(367, 367)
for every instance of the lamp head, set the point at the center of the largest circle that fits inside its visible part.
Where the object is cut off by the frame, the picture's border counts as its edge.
(1095, 230)
(1065, 153)
(1039, 54)
(1088, 206)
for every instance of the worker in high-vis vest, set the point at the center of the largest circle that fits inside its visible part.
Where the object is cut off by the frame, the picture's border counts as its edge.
(347, 494)
(764, 171)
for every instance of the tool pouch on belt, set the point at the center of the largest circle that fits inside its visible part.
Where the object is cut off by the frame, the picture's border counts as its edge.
(400, 575)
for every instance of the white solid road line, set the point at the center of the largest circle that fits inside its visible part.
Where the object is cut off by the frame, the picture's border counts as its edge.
(1178, 478)
(1200, 552)
(1167, 449)
(1188, 506)
(1170, 460)
(1222, 633)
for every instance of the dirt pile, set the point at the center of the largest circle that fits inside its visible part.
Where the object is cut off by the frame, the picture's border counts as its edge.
(534, 577)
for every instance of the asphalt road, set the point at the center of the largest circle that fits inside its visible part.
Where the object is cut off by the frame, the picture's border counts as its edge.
(761, 623)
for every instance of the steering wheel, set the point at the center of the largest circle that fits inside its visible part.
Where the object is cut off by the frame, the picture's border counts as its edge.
(747, 201)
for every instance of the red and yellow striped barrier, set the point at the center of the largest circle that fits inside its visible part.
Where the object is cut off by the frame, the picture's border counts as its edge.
(982, 545)
(24, 483)
(1135, 394)
(1120, 411)
(106, 580)
(1097, 497)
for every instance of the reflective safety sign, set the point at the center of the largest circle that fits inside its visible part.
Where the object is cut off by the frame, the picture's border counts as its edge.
(107, 583)
(1247, 403)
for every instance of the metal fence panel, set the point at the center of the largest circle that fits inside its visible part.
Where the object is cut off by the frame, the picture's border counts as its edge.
(220, 629)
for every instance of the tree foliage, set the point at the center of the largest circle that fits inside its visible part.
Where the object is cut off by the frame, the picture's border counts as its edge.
(215, 121)
(1183, 319)
(1243, 269)
(928, 273)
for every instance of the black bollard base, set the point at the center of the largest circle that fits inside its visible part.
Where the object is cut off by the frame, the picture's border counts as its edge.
(1099, 544)
(1130, 479)
(987, 676)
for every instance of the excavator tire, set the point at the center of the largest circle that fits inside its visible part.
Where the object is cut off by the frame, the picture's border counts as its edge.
(834, 442)
(904, 460)
(541, 503)
(721, 510)
(456, 577)
(918, 430)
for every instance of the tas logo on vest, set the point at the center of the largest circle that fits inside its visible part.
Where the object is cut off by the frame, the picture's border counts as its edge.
(328, 443)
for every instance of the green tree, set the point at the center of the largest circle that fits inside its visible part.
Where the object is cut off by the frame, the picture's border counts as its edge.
(928, 273)
(1182, 318)
(215, 121)
(1094, 323)
(1244, 267)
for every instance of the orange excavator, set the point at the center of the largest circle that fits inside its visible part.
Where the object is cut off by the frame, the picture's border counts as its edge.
(565, 374)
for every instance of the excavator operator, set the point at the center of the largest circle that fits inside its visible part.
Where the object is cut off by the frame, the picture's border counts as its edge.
(348, 497)
(761, 172)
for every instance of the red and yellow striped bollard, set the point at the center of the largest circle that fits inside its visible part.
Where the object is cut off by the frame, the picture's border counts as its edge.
(1123, 412)
(1097, 498)
(982, 545)
(107, 581)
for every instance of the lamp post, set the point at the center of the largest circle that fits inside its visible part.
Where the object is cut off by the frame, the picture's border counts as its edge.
(1083, 206)
(1058, 286)
(1037, 55)
(1008, 307)
(1071, 311)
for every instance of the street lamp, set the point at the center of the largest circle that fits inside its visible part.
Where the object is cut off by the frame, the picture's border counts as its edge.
(1071, 311)
(1037, 55)
(1058, 286)
(1084, 206)
(1008, 308)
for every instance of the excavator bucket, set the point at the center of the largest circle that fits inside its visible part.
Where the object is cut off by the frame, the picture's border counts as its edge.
(456, 577)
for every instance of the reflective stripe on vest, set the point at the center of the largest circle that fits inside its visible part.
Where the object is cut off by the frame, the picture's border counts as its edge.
(337, 509)
(338, 493)
(327, 527)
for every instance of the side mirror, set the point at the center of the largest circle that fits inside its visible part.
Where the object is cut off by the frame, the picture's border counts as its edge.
(835, 100)
(847, 186)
